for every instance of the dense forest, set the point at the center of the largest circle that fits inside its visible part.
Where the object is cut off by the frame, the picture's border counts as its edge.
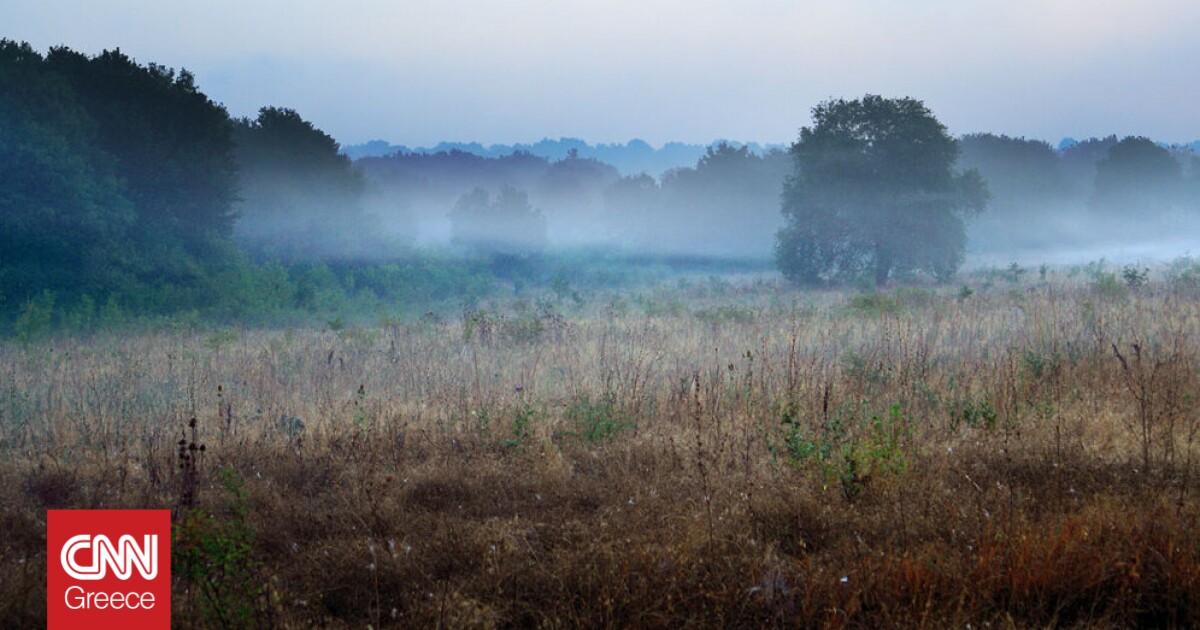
(126, 191)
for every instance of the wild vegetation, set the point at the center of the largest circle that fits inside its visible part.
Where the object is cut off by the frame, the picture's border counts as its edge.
(1017, 451)
(556, 417)
(128, 195)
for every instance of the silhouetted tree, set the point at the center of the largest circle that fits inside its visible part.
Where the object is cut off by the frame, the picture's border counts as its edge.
(1022, 175)
(1137, 178)
(300, 197)
(1079, 163)
(875, 190)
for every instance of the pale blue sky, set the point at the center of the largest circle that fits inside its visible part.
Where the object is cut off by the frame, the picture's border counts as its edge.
(418, 71)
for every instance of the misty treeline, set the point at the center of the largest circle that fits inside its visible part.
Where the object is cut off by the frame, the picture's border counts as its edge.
(1083, 197)
(126, 192)
(635, 156)
(727, 205)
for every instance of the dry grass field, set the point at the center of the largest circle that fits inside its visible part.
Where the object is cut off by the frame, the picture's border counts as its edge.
(720, 454)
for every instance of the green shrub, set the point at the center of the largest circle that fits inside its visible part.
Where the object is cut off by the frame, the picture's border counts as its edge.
(850, 448)
(521, 418)
(1108, 286)
(215, 552)
(599, 420)
(972, 414)
(1135, 278)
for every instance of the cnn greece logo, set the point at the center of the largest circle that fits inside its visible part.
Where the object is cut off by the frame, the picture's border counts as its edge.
(121, 557)
(104, 569)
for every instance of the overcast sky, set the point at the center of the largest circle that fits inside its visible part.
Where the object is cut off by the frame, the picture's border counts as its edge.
(416, 72)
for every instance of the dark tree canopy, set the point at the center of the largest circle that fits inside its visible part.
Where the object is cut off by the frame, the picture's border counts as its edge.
(1079, 160)
(1136, 178)
(300, 197)
(875, 191)
(116, 176)
(1022, 175)
(173, 145)
(64, 220)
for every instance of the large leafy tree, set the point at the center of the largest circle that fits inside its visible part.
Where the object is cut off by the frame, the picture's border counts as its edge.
(875, 191)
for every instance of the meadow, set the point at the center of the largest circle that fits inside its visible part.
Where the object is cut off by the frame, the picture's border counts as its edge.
(1014, 450)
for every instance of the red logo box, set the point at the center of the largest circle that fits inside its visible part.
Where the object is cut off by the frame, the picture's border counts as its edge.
(108, 569)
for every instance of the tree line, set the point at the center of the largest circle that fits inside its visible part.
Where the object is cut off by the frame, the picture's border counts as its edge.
(125, 192)
(125, 189)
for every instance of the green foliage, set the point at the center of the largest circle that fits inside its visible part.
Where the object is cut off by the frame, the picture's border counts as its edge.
(478, 326)
(521, 419)
(1135, 278)
(221, 338)
(1023, 175)
(82, 317)
(598, 420)
(1014, 273)
(561, 286)
(116, 179)
(526, 328)
(1039, 366)
(661, 305)
(972, 413)
(215, 552)
(173, 149)
(65, 216)
(850, 448)
(875, 191)
(1109, 286)
(729, 202)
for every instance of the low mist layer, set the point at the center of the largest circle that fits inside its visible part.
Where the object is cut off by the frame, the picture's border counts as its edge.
(126, 190)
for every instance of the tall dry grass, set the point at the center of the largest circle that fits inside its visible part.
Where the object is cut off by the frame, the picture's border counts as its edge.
(753, 457)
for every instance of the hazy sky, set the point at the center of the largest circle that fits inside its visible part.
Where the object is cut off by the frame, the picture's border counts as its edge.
(419, 71)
